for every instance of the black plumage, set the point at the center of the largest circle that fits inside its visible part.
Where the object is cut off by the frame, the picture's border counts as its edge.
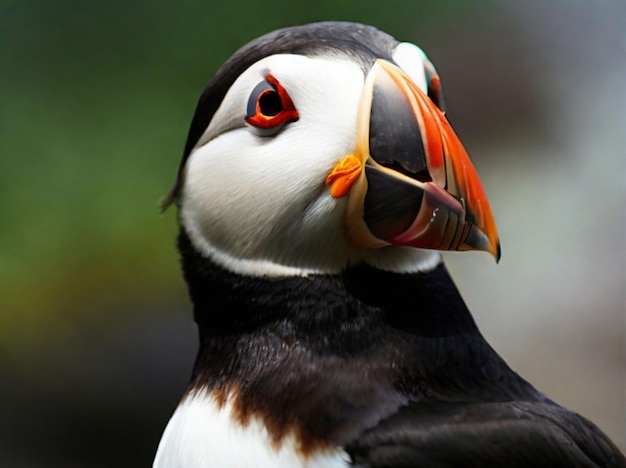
(390, 366)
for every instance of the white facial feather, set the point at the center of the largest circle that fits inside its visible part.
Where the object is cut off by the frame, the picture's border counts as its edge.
(259, 205)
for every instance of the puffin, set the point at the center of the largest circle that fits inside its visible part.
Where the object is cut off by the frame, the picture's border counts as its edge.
(319, 183)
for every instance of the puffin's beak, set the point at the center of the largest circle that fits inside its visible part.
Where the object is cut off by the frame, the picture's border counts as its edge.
(410, 182)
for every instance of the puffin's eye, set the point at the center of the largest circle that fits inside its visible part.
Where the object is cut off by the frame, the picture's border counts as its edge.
(269, 107)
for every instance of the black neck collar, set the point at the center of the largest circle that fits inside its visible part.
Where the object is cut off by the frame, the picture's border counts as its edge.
(423, 304)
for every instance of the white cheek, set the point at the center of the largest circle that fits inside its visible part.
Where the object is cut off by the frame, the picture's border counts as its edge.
(253, 200)
(233, 193)
(264, 199)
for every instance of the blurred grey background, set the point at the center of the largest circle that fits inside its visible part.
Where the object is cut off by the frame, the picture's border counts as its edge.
(96, 333)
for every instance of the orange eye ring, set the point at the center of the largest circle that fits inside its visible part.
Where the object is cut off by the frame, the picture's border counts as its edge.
(269, 107)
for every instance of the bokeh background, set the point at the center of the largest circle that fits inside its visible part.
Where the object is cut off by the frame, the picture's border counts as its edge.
(96, 333)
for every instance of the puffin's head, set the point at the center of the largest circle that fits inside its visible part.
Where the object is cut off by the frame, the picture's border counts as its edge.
(320, 146)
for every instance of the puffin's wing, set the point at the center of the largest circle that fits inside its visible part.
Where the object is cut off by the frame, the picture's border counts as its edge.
(511, 434)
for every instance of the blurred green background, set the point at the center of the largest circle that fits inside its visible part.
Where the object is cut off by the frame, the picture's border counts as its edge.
(96, 333)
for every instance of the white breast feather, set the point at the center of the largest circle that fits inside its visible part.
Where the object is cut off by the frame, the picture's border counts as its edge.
(201, 434)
